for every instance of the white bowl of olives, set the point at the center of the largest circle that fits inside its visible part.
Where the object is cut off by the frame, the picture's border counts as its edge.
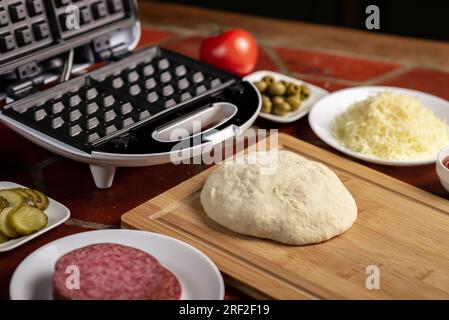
(284, 99)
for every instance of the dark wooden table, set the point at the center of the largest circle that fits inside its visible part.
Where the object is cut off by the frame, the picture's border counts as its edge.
(329, 57)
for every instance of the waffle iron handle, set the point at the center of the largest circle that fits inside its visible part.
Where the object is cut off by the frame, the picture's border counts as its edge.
(223, 135)
(202, 122)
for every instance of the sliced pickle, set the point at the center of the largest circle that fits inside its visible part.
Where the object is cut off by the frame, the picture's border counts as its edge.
(3, 238)
(27, 220)
(14, 199)
(5, 227)
(30, 199)
(3, 203)
(43, 200)
(34, 196)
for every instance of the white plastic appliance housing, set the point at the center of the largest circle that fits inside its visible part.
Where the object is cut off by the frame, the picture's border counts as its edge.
(103, 165)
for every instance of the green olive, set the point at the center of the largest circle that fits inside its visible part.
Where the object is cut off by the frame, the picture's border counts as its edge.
(294, 102)
(293, 89)
(277, 100)
(285, 83)
(268, 80)
(281, 109)
(276, 89)
(261, 86)
(286, 106)
(305, 92)
(266, 104)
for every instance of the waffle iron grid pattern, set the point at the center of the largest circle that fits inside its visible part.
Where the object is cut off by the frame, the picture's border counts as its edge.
(24, 27)
(92, 14)
(109, 102)
(30, 26)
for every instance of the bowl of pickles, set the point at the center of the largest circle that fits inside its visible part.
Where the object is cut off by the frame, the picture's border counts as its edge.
(284, 99)
(26, 213)
(22, 212)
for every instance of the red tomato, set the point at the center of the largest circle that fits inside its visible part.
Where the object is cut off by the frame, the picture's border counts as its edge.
(234, 50)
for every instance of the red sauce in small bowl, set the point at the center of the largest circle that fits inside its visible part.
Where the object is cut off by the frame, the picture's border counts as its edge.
(446, 162)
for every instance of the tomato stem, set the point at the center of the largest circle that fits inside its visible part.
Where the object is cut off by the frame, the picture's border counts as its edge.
(219, 29)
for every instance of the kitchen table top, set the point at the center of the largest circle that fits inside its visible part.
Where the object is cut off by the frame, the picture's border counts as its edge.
(329, 57)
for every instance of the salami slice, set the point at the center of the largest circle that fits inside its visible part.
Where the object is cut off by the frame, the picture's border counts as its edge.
(109, 271)
(170, 288)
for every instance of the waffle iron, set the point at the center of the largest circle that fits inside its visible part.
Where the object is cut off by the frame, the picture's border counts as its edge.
(137, 109)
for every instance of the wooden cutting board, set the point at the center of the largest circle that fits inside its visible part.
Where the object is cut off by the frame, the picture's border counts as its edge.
(402, 230)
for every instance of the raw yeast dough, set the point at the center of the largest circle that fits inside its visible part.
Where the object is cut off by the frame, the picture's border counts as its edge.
(302, 202)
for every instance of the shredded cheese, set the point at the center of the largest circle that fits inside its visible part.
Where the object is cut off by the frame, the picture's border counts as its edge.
(391, 126)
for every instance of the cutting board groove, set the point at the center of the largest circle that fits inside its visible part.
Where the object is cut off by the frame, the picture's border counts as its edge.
(400, 228)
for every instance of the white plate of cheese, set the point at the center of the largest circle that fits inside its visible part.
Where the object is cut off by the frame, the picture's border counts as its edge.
(327, 109)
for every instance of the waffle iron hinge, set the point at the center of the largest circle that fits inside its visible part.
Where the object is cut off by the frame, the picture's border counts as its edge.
(30, 77)
(104, 50)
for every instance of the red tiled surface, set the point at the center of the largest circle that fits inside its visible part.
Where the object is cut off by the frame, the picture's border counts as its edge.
(19, 158)
(428, 80)
(10, 260)
(234, 294)
(340, 67)
(154, 36)
(191, 47)
(21, 153)
(131, 187)
(328, 85)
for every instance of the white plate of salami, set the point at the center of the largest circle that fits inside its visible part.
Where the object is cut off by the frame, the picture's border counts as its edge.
(117, 264)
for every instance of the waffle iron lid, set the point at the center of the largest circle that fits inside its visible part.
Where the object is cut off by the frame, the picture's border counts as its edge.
(33, 31)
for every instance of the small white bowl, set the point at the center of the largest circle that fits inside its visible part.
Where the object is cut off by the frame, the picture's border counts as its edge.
(316, 93)
(442, 171)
